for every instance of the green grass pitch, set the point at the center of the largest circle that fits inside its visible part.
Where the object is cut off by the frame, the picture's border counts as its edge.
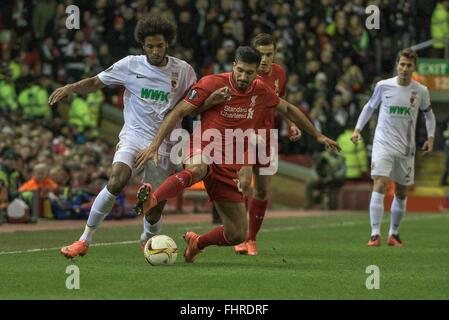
(322, 257)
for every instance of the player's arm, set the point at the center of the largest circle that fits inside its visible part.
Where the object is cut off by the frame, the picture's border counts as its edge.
(367, 112)
(83, 86)
(363, 119)
(429, 117)
(218, 96)
(302, 122)
(294, 134)
(182, 109)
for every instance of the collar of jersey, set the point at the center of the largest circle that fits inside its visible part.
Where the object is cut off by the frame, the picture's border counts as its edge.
(160, 68)
(268, 74)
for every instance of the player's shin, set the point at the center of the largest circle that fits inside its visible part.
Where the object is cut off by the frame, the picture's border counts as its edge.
(398, 208)
(256, 212)
(376, 210)
(174, 185)
(215, 236)
(100, 209)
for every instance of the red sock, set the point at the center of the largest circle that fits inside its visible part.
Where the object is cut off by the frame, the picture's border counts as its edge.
(256, 212)
(215, 236)
(174, 185)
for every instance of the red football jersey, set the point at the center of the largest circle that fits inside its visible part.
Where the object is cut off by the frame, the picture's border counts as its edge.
(244, 110)
(276, 80)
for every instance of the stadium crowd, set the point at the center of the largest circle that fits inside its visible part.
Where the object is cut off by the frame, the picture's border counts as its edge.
(332, 62)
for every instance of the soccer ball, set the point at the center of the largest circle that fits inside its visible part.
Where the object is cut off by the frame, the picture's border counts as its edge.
(160, 250)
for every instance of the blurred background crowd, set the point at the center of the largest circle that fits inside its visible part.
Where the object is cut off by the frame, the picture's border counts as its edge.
(332, 62)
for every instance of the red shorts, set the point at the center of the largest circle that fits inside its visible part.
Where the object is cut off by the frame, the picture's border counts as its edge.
(222, 183)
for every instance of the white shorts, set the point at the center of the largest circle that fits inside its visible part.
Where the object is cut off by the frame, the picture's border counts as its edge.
(400, 169)
(126, 152)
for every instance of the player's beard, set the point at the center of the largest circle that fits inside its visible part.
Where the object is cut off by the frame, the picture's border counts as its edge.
(242, 85)
(157, 60)
(405, 77)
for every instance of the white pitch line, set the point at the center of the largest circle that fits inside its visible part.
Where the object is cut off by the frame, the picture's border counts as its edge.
(298, 227)
(350, 223)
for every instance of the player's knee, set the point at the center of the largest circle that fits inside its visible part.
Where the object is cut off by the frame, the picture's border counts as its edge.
(116, 184)
(380, 186)
(400, 194)
(198, 172)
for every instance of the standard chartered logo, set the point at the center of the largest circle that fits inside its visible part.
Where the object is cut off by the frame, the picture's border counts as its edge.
(399, 110)
(156, 95)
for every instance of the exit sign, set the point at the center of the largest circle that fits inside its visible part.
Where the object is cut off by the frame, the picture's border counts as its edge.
(434, 73)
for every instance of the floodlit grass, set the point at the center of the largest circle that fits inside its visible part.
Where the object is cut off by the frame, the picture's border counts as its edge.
(321, 257)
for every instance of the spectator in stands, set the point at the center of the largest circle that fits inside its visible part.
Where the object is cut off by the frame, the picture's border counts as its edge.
(440, 28)
(75, 55)
(222, 63)
(33, 101)
(39, 186)
(187, 31)
(119, 39)
(80, 117)
(13, 168)
(105, 59)
(43, 13)
(95, 101)
(359, 38)
(50, 56)
(8, 99)
(340, 36)
(338, 118)
(330, 168)
(354, 155)
(354, 78)
(330, 68)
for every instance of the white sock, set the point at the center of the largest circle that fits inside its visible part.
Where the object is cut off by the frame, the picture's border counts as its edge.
(397, 213)
(376, 211)
(151, 230)
(100, 209)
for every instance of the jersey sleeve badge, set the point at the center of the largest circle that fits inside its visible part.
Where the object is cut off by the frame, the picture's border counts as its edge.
(193, 94)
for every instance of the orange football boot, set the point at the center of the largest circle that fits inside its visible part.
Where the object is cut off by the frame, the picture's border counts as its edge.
(252, 248)
(145, 199)
(191, 239)
(241, 248)
(78, 248)
(395, 241)
(374, 241)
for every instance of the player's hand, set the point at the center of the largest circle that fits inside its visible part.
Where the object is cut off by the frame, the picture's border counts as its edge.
(295, 133)
(60, 93)
(328, 143)
(148, 153)
(428, 146)
(218, 96)
(355, 136)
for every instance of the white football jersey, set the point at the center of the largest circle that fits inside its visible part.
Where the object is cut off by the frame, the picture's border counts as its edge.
(151, 92)
(399, 108)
